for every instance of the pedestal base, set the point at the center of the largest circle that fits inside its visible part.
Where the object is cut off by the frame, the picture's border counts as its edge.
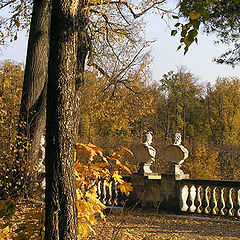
(145, 168)
(175, 170)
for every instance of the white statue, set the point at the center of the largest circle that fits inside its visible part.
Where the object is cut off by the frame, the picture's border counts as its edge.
(175, 154)
(147, 141)
(145, 153)
(177, 139)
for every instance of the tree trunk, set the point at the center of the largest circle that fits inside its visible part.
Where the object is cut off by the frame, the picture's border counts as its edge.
(63, 86)
(33, 102)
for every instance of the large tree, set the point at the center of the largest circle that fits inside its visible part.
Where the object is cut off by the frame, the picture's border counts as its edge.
(60, 218)
(68, 44)
(32, 116)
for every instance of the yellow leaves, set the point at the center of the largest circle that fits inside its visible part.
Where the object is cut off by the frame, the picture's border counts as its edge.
(125, 188)
(87, 207)
(5, 233)
(117, 156)
(117, 177)
(88, 177)
(92, 149)
(194, 15)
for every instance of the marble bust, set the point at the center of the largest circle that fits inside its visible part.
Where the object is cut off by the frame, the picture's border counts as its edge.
(176, 154)
(147, 141)
(145, 153)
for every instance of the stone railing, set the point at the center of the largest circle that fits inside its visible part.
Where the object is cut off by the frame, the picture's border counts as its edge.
(204, 197)
(210, 197)
(111, 195)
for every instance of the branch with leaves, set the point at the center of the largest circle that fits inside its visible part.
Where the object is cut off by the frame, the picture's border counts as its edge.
(89, 172)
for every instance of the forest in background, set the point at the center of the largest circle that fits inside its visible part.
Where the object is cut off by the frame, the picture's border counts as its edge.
(207, 116)
(110, 108)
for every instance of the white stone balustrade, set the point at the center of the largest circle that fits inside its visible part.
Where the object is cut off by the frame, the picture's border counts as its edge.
(110, 195)
(210, 197)
(205, 197)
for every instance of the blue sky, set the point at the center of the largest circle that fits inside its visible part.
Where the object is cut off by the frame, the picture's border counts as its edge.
(198, 60)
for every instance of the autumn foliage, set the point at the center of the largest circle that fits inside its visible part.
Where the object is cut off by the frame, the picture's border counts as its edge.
(206, 115)
(89, 173)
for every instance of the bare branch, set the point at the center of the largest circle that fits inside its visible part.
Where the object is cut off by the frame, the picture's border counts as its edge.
(3, 5)
(136, 15)
(100, 69)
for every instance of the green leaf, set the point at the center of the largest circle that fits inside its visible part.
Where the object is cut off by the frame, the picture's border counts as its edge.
(183, 32)
(188, 41)
(177, 24)
(195, 24)
(173, 32)
(179, 47)
(192, 34)
(185, 50)
(175, 17)
(194, 15)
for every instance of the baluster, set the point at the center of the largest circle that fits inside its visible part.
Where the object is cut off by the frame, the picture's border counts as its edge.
(110, 201)
(229, 203)
(205, 203)
(221, 202)
(96, 188)
(116, 196)
(192, 196)
(104, 192)
(198, 200)
(120, 197)
(237, 203)
(108, 193)
(183, 198)
(100, 190)
(213, 201)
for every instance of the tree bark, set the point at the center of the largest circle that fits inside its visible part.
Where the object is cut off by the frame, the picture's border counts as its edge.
(64, 76)
(33, 102)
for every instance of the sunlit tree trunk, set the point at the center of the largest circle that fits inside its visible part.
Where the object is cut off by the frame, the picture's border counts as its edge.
(64, 81)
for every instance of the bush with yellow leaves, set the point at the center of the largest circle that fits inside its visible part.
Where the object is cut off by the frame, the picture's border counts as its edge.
(88, 174)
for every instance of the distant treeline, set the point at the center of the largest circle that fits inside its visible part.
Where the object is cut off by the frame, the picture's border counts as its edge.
(113, 115)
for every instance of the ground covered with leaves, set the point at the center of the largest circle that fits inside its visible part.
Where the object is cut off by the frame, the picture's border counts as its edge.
(151, 226)
(27, 223)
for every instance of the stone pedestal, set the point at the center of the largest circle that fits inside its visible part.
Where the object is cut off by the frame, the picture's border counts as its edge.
(175, 170)
(145, 168)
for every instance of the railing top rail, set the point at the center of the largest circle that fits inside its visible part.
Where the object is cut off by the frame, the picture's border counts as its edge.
(211, 182)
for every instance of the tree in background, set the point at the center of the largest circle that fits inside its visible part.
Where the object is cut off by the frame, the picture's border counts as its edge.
(181, 95)
(223, 104)
(33, 101)
(202, 162)
(11, 79)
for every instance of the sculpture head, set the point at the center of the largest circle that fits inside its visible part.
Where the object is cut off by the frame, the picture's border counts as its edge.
(177, 139)
(147, 138)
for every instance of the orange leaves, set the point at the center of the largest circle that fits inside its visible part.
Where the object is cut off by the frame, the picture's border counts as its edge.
(125, 188)
(92, 149)
(118, 157)
(88, 176)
